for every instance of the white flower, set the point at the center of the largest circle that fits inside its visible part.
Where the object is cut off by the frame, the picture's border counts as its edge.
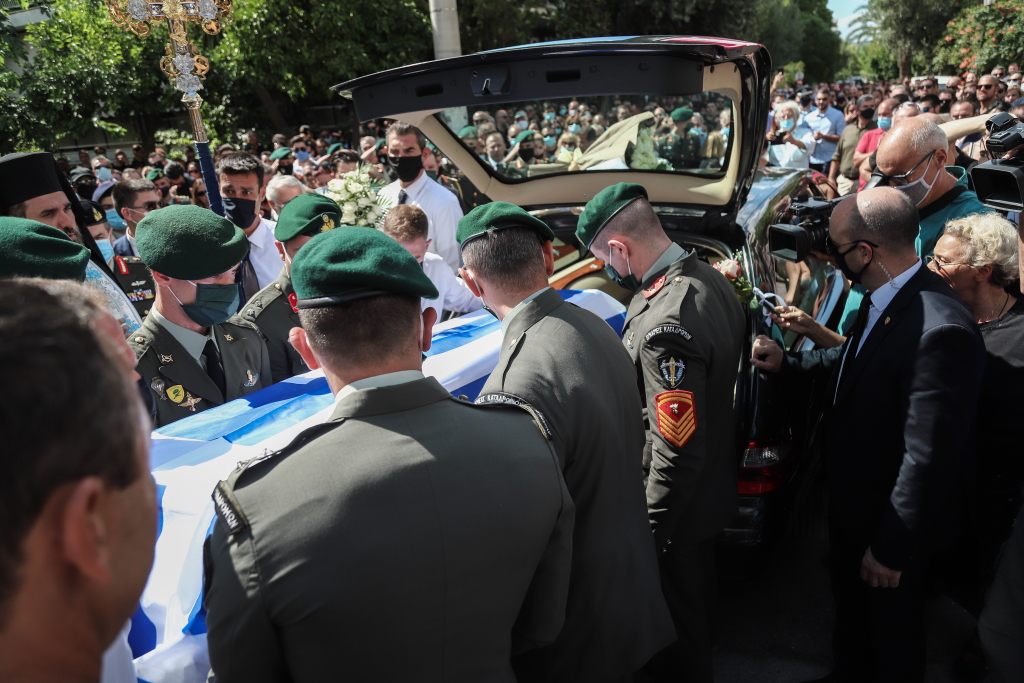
(335, 185)
(349, 206)
(362, 221)
(364, 201)
(354, 187)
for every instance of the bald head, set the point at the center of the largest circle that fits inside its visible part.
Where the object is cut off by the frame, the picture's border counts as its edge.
(905, 111)
(882, 215)
(907, 143)
(887, 107)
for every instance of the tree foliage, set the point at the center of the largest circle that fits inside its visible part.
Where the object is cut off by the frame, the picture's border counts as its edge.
(979, 37)
(909, 28)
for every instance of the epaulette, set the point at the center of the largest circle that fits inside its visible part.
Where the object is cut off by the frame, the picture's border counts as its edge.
(140, 342)
(239, 321)
(499, 398)
(259, 302)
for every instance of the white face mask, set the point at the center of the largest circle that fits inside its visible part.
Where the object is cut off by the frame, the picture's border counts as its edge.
(919, 189)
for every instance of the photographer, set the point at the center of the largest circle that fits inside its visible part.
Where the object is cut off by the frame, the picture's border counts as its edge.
(790, 143)
(898, 436)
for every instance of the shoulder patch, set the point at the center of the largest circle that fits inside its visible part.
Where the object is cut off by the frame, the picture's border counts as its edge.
(672, 370)
(500, 397)
(677, 416)
(228, 508)
(668, 329)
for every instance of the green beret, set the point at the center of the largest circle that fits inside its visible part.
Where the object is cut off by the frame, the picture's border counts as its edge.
(31, 249)
(468, 131)
(334, 148)
(155, 174)
(525, 135)
(280, 153)
(343, 265)
(493, 216)
(307, 214)
(189, 242)
(603, 207)
(681, 114)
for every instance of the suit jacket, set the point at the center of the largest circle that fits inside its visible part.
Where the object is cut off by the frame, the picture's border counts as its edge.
(412, 537)
(122, 247)
(899, 437)
(179, 383)
(684, 331)
(271, 310)
(570, 366)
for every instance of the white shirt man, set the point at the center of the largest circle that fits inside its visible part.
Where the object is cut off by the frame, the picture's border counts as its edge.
(452, 292)
(263, 255)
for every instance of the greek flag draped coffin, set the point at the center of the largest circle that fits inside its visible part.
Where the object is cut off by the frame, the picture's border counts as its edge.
(189, 457)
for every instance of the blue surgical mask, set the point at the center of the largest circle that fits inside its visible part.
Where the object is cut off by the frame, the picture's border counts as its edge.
(550, 140)
(301, 155)
(788, 124)
(523, 123)
(104, 174)
(574, 128)
(561, 112)
(884, 123)
(106, 248)
(550, 116)
(558, 131)
(725, 132)
(116, 222)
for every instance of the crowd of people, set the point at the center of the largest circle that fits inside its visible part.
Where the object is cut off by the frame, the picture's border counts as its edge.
(598, 470)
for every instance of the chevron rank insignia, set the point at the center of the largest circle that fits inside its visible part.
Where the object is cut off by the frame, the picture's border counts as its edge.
(672, 370)
(677, 416)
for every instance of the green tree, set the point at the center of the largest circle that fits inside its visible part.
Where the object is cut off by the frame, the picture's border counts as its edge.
(781, 30)
(821, 48)
(909, 28)
(979, 37)
(491, 24)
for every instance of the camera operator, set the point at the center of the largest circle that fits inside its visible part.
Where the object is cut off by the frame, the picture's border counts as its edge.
(912, 157)
(898, 437)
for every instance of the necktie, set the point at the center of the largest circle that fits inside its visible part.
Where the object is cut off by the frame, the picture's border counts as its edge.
(245, 276)
(854, 340)
(213, 367)
(402, 197)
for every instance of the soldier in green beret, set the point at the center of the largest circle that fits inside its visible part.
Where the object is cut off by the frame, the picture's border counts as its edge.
(273, 309)
(684, 332)
(681, 149)
(413, 536)
(193, 352)
(31, 249)
(569, 365)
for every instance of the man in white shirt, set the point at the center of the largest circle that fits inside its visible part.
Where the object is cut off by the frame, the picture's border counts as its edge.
(241, 185)
(406, 146)
(408, 226)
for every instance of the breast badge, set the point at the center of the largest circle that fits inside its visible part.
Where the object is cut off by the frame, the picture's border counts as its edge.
(677, 416)
(252, 378)
(157, 385)
(175, 393)
(672, 370)
(190, 401)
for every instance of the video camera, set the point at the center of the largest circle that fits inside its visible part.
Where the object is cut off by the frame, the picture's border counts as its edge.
(1000, 183)
(794, 241)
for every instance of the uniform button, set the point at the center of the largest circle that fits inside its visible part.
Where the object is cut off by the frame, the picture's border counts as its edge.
(277, 286)
(139, 340)
(678, 279)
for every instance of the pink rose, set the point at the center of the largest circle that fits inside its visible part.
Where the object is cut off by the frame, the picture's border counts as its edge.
(729, 268)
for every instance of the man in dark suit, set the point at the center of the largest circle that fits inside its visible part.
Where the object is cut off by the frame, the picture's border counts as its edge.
(570, 366)
(413, 536)
(898, 435)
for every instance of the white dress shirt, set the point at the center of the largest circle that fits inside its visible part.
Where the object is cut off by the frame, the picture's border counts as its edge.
(263, 255)
(131, 243)
(452, 292)
(443, 214)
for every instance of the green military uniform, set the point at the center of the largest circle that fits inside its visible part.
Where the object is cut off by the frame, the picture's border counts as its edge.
(682, 150)
(273, 308)
(400, 540)
(684, 332)
(190, 371)
(569, 365)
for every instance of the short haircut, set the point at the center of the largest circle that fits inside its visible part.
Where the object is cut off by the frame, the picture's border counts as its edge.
(972, 102)
(240, 163)
(297, 139)
(509, 259)
(362, 332)
(636, 221)
(137, 148)
(401, 128)
(892, 223)
(901, 97)
(928, 138)
(864, 99)
(126, 191)
(41, 338)
(487, 137)
(281, 181)
(406, 223)
(279, 138)
(931, 100)
(348, 156)
(991, 240)
(174, 170)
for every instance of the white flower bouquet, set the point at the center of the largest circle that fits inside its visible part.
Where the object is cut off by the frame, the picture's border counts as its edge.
(644, 156)
(358, 196)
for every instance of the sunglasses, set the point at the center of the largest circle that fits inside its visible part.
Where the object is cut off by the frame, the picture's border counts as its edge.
(148, 206)
(986, 86)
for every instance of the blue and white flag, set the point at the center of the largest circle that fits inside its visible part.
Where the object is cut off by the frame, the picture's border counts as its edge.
(189, 457)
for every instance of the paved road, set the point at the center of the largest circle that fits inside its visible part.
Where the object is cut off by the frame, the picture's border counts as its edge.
(776, 627)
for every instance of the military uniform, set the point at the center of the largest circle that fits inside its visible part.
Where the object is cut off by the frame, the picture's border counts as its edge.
(682, 151)
(179, 383)
(569, 365)
(399, 541)
(273, 310)
(132, 276)
(684, 332)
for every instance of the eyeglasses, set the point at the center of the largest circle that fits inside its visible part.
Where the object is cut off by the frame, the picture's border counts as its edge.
(986, 86)
(147, 207)
(924, 86)
(939, 263)
(902, 178)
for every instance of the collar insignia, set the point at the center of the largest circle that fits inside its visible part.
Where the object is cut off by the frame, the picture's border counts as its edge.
(654, 288)
(166, 359)
(228, 337)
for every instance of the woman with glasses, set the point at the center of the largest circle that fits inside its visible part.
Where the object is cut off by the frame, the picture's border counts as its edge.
(977, 257)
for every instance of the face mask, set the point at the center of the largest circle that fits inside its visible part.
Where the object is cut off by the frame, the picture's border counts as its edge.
(561, 112)
(885, 123)
(104, 174)
(407, 168)
(629, 282)
(526, 153)
(805, 101)
(550, 116)
(788, 124)
(850, 275)
(725, 132)
(574, 128)
(432, 174)
(867, 113)
(301, 155)
(106, 248)
(241, 212)
(918, 189)
(523, 123)
(550, 140)
(164, 191)
(85, 189)
(116, 222)
(558, 131)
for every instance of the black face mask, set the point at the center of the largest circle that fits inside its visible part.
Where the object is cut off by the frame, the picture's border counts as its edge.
(850, 275)
(805, 101)
(867, 114)
(85, 190)
(285, 170)
(407, 168)
(241, 212)
(526, 153)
